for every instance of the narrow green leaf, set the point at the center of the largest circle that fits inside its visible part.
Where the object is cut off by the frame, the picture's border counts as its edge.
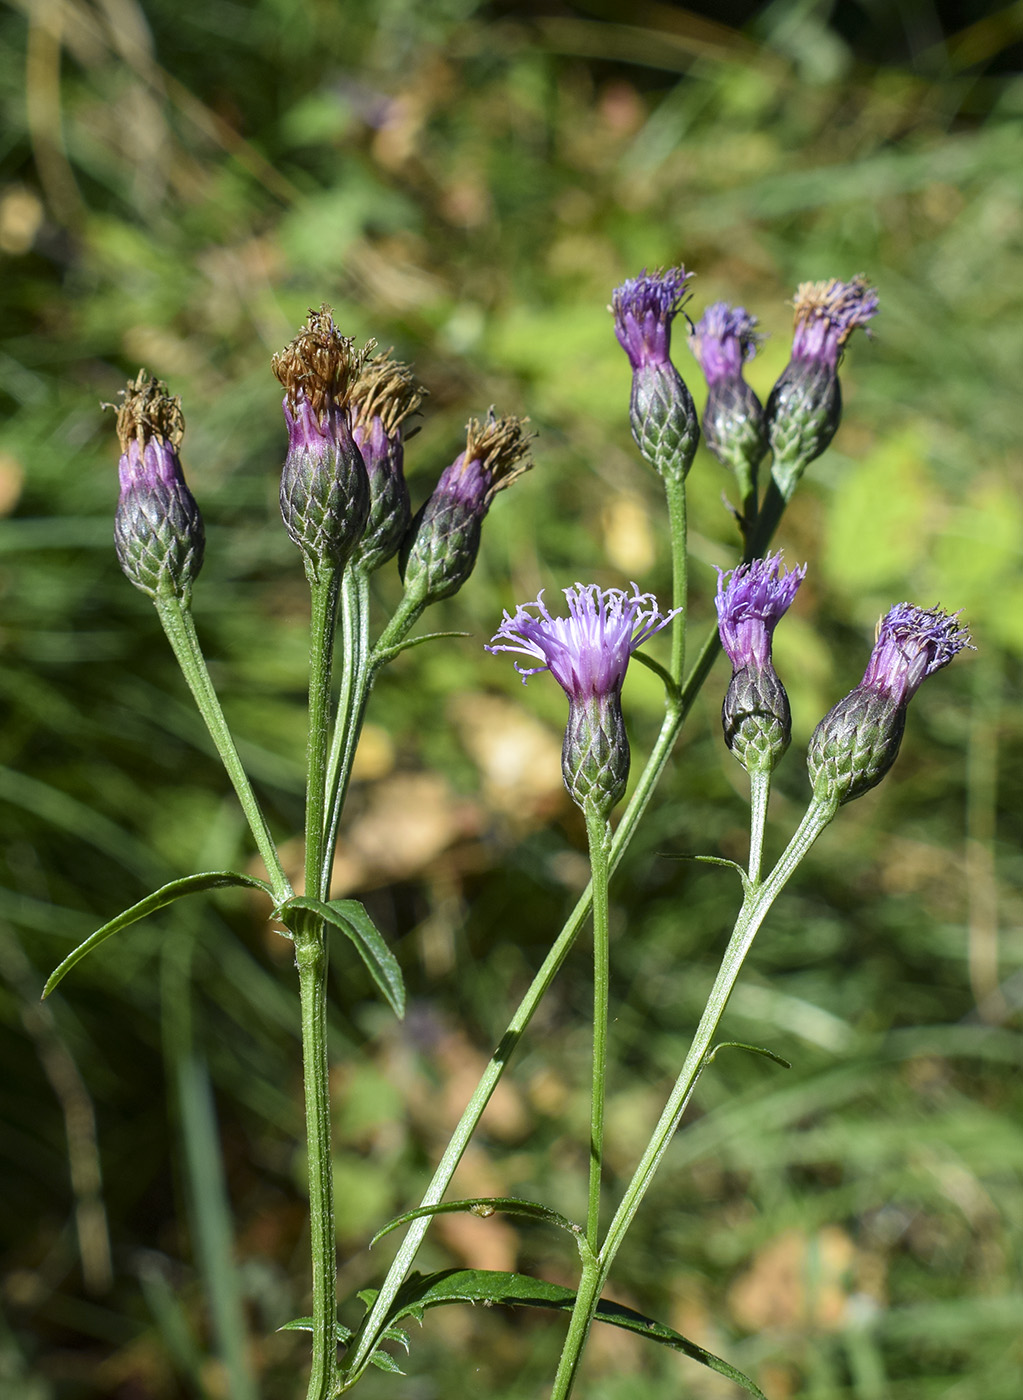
(177, 889)
(384, 658)
(753, 1049)
(484, 1206)
(491, 1287)
(711, 860)
(351, 918)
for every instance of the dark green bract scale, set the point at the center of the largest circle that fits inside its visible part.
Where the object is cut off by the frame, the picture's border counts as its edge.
(325, 501)
(854, 745)
(595, 755)
(441, 549)
(734, 430)
(756, 718)
(663, 416)
(803, 414)
(159, 537)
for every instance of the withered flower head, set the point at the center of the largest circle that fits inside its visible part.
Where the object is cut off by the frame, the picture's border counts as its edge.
(158, 530)
(324, 488)
(383, 397)
(442, 545)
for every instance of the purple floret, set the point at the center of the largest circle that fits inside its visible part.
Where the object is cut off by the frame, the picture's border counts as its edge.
(587, 652)
(644, 308)
(750, 601)
(827, 313)
(912, 643)
(723, 340)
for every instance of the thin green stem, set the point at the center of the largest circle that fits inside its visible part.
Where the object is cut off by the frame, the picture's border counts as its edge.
(177, 623)
(675, 494)
(351, 709)
(677, 707)
(598, 832)
(587, 1297)
(403, 620)
(760, 794)
(325, 595)
(755, 907)
(312, 958)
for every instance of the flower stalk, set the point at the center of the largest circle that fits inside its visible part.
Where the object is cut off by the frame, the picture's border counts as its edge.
(598, 833)
(755, 908)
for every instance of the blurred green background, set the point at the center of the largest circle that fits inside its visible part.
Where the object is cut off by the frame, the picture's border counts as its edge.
(467, 182)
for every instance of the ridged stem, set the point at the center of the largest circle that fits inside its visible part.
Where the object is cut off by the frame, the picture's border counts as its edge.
(312, 959)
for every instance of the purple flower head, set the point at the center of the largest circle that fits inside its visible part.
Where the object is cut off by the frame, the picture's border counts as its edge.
(644, 308)
(912, 643)
(826, 314)
(587, 652)
(723, 340)
(324, 487)
(318, 369)
(496, 452)
(383, 397)
(150, 426)
(858, 740)
(312, 431)
(751, 600)
(439, 552)
(158, 530)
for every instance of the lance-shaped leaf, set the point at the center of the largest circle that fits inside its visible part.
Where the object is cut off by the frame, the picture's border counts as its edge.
(177, 889)
(490, 1287)
(351, 918)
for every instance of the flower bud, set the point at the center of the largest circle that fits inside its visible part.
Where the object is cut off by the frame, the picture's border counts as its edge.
(158, 531)
(751, 601)
(857, 742)
(595, 755)
(756, 718)
(324, 488)
(588, 654)
(661, 410)
(805, 405)
(383, 397)
(723, 341)
(440, 551)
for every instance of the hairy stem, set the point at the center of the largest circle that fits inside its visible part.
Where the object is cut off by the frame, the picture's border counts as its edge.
(598, 832)
(760, 793)
(311, 956)
(177, 623)
(675, 494)
(351, 709)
